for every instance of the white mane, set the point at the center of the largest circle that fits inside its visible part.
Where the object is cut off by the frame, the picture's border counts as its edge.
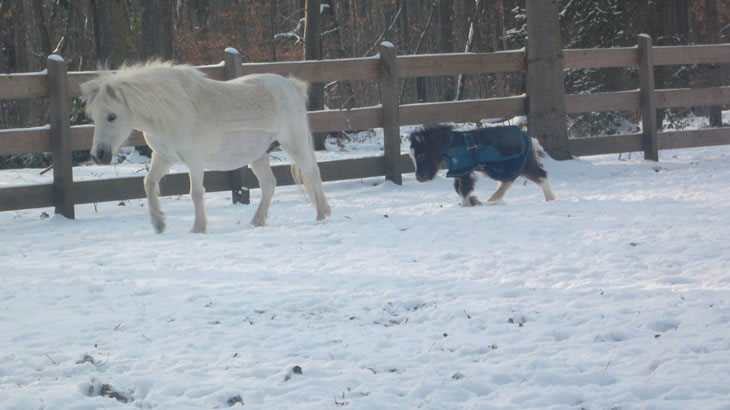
(161, 90)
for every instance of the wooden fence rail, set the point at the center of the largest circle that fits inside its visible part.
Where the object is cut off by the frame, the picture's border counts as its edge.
(386, 69)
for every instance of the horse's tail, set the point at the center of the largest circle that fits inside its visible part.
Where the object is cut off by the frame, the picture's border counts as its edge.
(302, 181)
(302, 87)
(539, 150)
(299, 178)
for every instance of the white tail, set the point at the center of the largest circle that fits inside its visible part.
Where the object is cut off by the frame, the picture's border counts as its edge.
(539, 150)
(302, 86)
(302, 181)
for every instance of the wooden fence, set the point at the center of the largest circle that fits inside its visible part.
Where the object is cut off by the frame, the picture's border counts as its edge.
(60, 139)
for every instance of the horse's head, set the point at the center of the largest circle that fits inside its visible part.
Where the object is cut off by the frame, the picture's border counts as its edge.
(426, 154)
(108, 109)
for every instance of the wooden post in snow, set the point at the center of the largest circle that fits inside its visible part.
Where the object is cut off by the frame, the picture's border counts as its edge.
(647, 99)
(389, 90)
(58, 101)
(546, 118)
(232, 69)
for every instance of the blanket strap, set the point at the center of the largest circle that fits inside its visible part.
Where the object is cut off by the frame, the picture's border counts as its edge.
(471, 145)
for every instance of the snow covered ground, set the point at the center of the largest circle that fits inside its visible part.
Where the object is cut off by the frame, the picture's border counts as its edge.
(615, 296)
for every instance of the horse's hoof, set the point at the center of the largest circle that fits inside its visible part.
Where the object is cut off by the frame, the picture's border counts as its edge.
(159, 226)
(471, 201)
(198, 227)
(258, 222)
(322, 214)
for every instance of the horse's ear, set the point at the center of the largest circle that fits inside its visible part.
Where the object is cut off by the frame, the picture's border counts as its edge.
(109, 90)
(115, 93)
(89, 89)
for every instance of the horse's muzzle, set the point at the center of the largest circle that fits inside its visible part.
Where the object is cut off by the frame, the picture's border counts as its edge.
(422, 178)
(102, 155)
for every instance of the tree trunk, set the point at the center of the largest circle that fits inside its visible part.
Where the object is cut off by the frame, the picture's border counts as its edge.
(272, 28)
(111, 29)
(404, 27)
(40, 21)
(344, 88)
(672, 29)
(157, 29)
(421, 86)
(467, 48)
(313, 51)
(446, 45)
(157, 37)
(468, 15)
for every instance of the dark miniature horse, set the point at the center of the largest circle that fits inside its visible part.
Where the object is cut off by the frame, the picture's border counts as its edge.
(502, 153)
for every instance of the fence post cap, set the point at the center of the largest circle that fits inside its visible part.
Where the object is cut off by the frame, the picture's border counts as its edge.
(387, 44)
(231, 50)
(55, 57)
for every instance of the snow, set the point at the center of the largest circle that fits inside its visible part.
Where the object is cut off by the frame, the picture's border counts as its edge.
(55, 57)
(14, 130)
(231, 50)
(617, 295)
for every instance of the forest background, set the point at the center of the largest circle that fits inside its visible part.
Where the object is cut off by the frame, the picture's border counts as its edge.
(87, 33)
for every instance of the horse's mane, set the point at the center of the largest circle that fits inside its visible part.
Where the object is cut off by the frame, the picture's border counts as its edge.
(161, 90)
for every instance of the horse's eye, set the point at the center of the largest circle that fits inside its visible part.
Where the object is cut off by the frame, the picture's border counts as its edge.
(111, 117)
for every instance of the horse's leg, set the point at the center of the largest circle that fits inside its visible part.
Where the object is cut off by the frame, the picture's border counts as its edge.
(502, 189)
(546, 190)
(464, 186)
(267, 181)
(313, 180)
(197, 193)
(303, 155)
(158, 168)
(535, 173)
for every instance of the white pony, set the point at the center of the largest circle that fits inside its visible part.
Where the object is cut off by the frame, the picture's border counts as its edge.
(205, 124)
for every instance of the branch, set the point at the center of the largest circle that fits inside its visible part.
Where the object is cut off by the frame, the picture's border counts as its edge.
(330, 31)
(385, 30)
(294, 34)
(425, 29)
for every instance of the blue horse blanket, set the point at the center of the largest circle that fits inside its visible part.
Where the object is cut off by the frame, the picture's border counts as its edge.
(501, 152)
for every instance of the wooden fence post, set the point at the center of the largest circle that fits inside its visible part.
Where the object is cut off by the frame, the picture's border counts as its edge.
(546, 117)
(389, 91)
(647, 99)
(59, 113)
(232, 69)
